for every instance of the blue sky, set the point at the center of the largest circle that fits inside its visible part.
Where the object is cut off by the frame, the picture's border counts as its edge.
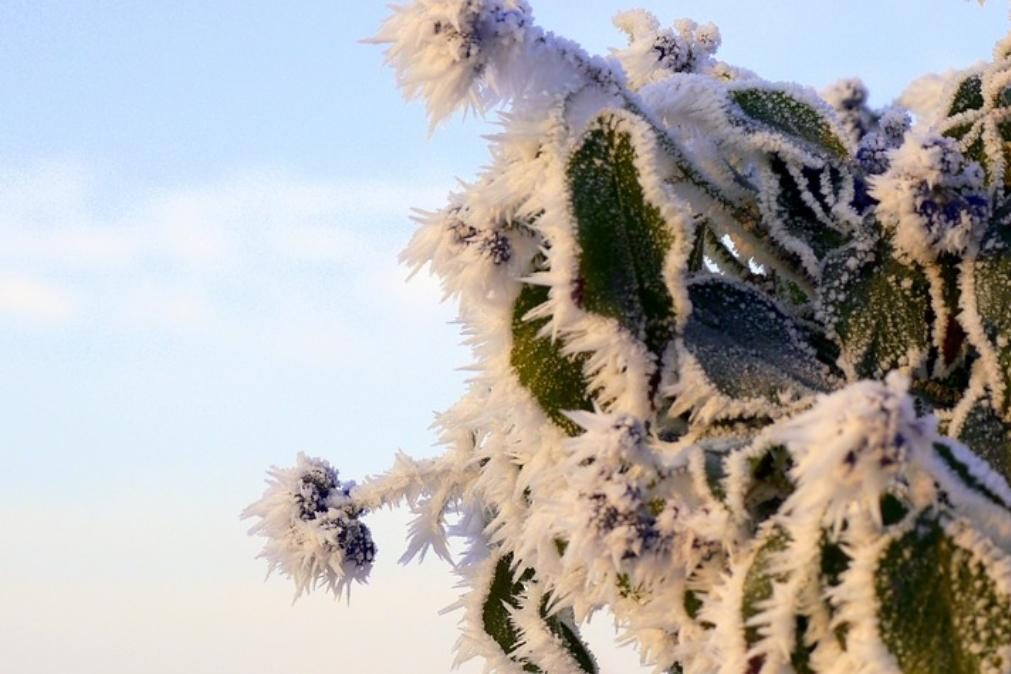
(201, 205)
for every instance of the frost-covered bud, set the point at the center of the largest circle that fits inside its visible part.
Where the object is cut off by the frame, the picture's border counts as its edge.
(611, 443)
(873, 153)
(619, 518)
(847, 94)
(852, 446)
(478, 251)
(492, 244)
(441, 48)
(933, 197)
(653, 54)
(848, 98)
(610, 471)
(707, 38)
(313, 529)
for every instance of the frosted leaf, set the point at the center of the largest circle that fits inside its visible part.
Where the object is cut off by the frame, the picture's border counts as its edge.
(988, 435)
(504, 592)
(974, 474)
(769, 483)
(760, 577)
(313, 529)
(878, 308)
(986, 300)
(623, 238)
(514, 614)
(848, 450)
(758, 593)
(748, 347)
(978, 117)
(491, 592)
(803, 209)
(790, 111)
(940, 611)
(548, 638)
(712, 454)
(554, 378)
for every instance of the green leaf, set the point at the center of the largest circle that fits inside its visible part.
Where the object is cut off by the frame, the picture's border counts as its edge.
(715, 472)
(783, 112)
(992, 275)
(988, 436)
(623, 239)
(759, 579)
(769, 483)
(879, 307)
(974, 131)
(964, 473)
(692, 603)
(505, 592)
(939, 610)
(833, 564)
(555, 380)
(968, 97)
(799, 220)
(563, 626)
(748, 347)
(757, 589)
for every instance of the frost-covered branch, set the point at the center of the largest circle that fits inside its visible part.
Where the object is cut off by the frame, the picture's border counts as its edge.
(742, 361)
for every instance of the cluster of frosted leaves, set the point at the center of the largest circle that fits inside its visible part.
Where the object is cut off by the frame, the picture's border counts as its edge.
(741, 360)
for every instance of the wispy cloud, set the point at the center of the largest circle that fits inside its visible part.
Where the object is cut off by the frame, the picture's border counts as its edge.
(36, 301)
(270, 259)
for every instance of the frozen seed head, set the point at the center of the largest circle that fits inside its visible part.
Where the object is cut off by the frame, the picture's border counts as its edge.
(853, 445)
(654, 53)
(313, 528)
(875, 149)
(846, 94)
(441, 48)
(611, 443)
(848, 98)
(933, 197)
(490, 243)
(610, 471)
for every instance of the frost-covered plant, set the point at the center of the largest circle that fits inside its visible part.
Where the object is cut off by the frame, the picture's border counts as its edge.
(743, 357)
